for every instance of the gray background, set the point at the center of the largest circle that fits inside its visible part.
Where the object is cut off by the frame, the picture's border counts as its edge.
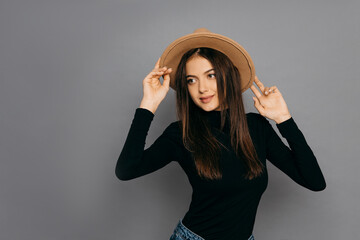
(71, 78)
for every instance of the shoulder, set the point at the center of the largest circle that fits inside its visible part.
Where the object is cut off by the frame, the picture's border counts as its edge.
(257, 122)
(173, 131)
(255, 118)
(173, 127)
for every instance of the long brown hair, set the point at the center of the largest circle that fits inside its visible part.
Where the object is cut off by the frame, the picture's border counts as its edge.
(196, 133)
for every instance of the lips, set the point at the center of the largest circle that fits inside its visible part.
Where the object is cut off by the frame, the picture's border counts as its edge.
(206, 99)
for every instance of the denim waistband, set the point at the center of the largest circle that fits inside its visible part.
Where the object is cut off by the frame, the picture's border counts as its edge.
(185, 233)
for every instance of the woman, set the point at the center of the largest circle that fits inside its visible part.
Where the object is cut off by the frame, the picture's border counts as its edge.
(222, 150)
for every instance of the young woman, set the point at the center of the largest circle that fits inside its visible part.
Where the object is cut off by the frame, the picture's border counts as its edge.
(222, 149)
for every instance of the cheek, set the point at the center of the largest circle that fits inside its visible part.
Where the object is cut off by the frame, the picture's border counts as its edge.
(191, 93)
(214, 86)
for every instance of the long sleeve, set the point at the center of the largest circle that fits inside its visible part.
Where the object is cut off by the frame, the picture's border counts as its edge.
(134, 161)
(298, 162)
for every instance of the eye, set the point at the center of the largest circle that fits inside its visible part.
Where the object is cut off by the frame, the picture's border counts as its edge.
(189, 80)
(212, 74)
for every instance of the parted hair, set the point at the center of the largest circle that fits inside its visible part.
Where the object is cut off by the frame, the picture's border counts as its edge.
(196, 133)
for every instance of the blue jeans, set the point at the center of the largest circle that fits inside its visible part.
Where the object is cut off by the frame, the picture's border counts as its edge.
(183, 233)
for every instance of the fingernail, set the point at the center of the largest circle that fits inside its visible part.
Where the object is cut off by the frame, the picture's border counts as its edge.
(265, 92)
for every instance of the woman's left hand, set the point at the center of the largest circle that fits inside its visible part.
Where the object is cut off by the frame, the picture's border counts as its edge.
(270, 102)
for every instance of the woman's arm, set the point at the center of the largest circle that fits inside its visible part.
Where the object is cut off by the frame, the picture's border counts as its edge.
(134, 161)
(298, 162)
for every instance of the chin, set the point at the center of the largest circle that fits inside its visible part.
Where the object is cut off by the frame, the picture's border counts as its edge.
(208, 108)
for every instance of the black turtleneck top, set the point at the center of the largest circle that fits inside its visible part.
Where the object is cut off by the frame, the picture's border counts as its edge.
(226, 208)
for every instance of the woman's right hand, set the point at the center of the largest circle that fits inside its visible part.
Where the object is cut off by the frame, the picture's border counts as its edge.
(154, 91)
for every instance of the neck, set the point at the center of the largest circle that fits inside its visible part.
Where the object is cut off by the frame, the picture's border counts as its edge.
(214, 118)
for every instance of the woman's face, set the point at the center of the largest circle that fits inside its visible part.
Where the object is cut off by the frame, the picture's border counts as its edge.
(201, 82)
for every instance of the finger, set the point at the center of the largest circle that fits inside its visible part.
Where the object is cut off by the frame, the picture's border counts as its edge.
(272, 89)
(167, 72)
(157, 65)
(160, 69)
(154, 74)
(258, 106)
(259, 84)
(150, 75)
(157, 73)
(275, 89)
(266, 90)
(163, 72)
(164, 69)
(166, 77)
(255, 91)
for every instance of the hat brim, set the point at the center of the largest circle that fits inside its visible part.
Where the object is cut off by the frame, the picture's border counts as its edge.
(237, 54)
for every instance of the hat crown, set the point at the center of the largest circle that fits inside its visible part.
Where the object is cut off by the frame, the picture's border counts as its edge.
(202, 37)
(201, 30)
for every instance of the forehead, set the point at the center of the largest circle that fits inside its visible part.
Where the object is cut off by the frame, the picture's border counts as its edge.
(198, 64)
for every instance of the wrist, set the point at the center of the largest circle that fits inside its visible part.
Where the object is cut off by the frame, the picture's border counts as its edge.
(282, 118)
(151, 106)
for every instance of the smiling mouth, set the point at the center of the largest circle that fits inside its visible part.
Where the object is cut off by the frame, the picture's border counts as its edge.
(206, 99)
(203, 98)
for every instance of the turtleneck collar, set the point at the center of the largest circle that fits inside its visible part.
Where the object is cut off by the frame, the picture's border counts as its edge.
(214, 118)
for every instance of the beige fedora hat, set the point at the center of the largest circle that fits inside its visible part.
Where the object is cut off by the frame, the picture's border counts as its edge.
(202, 37)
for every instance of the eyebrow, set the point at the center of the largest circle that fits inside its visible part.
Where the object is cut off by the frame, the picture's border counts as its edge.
(204, 73)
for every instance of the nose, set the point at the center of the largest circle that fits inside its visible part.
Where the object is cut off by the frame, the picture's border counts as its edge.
(203, 86)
